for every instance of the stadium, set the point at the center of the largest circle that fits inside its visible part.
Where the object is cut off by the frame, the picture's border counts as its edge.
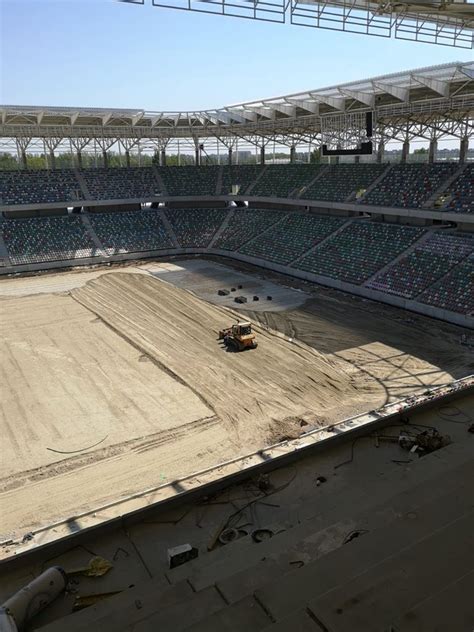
(158, 474)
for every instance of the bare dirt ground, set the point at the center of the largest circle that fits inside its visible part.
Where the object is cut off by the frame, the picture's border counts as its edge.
(114, 382)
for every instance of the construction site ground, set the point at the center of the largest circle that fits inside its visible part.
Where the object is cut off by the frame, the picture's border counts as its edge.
(113, 379)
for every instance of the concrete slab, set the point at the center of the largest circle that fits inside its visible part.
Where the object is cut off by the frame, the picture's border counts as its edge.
(446, 611)
(290, 550)
(294, 590)
(299, 621)
(366, 603)
(177, 617)
(205, 278)
(136, 603)
(246, 615)
(323, 524)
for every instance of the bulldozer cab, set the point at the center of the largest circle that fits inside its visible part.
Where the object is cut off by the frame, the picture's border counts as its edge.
(242, 329)
(239, 337)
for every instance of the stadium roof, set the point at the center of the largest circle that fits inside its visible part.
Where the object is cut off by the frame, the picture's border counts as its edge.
(445, 88)
(442, 22)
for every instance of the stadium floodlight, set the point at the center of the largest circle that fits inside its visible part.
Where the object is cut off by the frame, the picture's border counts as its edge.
(441, 22)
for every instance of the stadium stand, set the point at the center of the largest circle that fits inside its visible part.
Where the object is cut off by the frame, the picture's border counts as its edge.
(121, 183)
(360, 249)
(39, 186)
(409, 186)
(340, 181)
(190, 180)
(281, 180)
(237, 178)
(455, 291)
(194, 228)
(461, 192)
(404, 186)
(245, 224)
(437, 269)
(41, 239)
(291, 238)
(424, 265)
(130, 231)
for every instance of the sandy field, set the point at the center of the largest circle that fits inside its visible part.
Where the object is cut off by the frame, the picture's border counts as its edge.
(113, 381)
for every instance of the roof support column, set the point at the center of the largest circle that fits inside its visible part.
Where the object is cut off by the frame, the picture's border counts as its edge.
(197, 152)
(405, 151)
(21, 146)
(262, 155)
(52, 144)
(105, 144)
(463, 149)
(160, 151)
(433, 148)
(381, 151)
(79, 144)
(292, 153)
(128, 144)
(230, 143)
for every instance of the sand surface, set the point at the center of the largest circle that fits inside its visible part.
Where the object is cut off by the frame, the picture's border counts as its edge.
(113, 383)
(248, 391)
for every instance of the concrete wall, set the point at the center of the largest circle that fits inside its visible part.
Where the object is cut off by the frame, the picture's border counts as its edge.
(221, 200)
(44, 212)
(116, 208)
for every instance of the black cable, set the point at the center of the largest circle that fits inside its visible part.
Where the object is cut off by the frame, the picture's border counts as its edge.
(264, 495)
(446, 416)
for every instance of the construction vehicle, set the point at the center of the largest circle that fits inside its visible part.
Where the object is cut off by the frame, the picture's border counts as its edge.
(238, 337)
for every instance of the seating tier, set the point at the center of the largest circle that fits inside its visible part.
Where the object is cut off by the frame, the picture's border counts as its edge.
(194, 228)
(409, 186)
(39, 187)
(38, 240)
(420, 268)
(356, 252)
(291, 238)
(131, 231)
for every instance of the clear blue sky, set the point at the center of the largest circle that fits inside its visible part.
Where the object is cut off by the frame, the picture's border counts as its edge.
(105, 53)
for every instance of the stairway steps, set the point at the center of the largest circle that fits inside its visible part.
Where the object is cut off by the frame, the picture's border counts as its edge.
(142, 598)
(293, 552)
(300, 621)
(299, 194)
(396, 514)
(246, 615)
(250, 187)
(221, 229)
(220, 173)
(369, 567)
(366, 603)
(432, 614)
(296, 589)
(178, 616)
(327, 508)
(169, 228)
